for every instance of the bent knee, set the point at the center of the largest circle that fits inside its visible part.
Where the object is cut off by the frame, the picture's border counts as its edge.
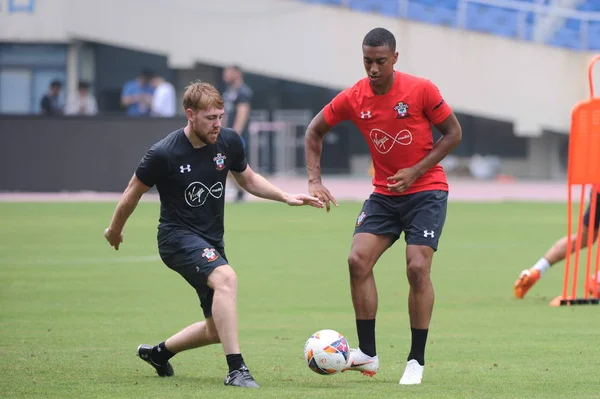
(359, 265)
(584, 239)
(223, 278)
(417, 269)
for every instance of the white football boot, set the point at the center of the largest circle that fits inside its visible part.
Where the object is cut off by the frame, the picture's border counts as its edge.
(413, 373)
(366, 364)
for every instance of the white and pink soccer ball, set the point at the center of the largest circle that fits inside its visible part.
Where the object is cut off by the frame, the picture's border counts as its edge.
(327, 352)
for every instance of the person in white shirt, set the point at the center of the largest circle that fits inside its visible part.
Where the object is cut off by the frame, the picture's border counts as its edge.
(83, 102)
(163, 100)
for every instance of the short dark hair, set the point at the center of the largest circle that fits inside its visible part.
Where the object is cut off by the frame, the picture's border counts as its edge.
(380, 37)
(83, 85)
(147, 73)
(56, 84)
(236, 68)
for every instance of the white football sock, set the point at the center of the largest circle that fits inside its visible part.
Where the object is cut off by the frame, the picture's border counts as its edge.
(542, 265)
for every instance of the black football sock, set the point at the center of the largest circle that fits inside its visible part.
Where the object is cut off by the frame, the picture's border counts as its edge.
(366, 336)
(235, 361)
(417, 348)
(160, 354)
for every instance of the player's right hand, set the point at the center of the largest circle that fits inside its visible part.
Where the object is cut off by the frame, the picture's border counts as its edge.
(114, 238)
(319, 191)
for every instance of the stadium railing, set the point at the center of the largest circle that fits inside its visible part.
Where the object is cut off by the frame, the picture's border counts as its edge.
(537, 21)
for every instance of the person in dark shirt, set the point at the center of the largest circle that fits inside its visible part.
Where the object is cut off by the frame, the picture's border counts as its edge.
(238, 104)
(189, 168)
(49, 105)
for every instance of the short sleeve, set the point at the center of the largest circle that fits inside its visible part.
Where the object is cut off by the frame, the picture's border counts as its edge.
(338, 109)
(128, 90)
(434, 106)
(238, 162)
(163, 101)
(153, 167)
(244, 96)
(46, 105)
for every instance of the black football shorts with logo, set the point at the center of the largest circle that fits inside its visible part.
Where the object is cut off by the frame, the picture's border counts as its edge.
(588, 211)
(420, 216)
(194, 259)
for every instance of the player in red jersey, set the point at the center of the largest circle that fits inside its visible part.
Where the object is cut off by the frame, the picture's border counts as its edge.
(394, 112)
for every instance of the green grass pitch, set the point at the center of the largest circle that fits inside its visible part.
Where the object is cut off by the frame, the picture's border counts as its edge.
(73, 310)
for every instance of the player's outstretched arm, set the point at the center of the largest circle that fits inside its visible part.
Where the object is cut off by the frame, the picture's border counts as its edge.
(313, 145)
(129, 200)
(451, 136)
(257, 185)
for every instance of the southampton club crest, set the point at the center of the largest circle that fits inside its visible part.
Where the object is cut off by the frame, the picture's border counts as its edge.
(402, 110)
(220, 161)
(360, 219)
(210, 254)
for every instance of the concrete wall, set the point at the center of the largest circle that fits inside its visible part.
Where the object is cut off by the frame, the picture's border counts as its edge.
(45, 154)
(41, 154)
(75, 154)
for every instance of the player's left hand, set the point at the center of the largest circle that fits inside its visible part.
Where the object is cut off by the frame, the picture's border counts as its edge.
(402, 180)
(303, 199)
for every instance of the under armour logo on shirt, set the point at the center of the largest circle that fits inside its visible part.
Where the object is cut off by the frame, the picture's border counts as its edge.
(428, 233)
(365, 114)
(186, 168)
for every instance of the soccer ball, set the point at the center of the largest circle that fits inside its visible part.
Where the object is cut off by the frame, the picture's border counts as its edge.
(326, 352)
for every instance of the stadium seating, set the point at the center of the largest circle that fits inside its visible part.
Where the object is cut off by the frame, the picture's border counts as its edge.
(518, 24)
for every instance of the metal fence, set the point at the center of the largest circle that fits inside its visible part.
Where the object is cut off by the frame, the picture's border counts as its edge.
(541, 21)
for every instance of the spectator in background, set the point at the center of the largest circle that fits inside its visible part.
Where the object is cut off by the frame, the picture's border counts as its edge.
(83, 102)
(136, 95)
(49, 105)
(163, 100)
(237, 97)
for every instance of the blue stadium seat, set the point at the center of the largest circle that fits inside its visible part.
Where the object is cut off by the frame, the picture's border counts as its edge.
(572, 23)
(450, 4)
(528, 32)
(494, 20)
(589, 5)
(326, 2)
(436, 3)
(431, 14)
(483, 18)
(530, 18)
(594, 36)
(566, 38)
(385, 7)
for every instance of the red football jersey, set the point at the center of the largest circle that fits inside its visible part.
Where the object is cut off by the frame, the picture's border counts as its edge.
(397, 127)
